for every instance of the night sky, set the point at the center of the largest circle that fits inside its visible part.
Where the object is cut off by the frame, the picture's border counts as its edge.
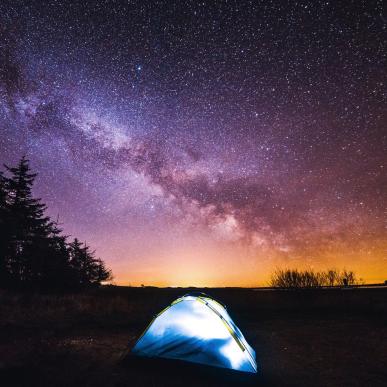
(204, 143)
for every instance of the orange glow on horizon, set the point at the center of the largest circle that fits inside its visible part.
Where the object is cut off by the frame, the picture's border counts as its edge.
(229, 271)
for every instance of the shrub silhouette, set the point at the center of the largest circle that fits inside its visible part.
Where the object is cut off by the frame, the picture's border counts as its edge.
(295, 279)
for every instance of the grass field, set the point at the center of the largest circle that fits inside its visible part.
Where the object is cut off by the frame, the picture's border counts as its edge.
(332, 337)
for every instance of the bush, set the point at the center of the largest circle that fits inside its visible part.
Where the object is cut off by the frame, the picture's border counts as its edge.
(296, 279)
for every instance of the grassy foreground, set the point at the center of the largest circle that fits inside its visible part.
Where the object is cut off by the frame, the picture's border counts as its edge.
(331, 337)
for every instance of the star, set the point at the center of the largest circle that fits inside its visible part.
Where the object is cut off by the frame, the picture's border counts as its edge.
(252, 135)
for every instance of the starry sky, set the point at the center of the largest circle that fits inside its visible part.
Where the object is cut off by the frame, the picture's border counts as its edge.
(204, 143)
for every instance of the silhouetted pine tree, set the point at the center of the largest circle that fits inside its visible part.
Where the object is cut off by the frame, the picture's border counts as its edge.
(29, 230)
(50, 260)
(87, 269)
(33, 252)
(102, 272)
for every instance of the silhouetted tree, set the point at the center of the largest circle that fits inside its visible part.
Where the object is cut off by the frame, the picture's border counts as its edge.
(332, 277)
(33, 252)
(29, 229)
(348, 277)
(87, 269)
(51, 269)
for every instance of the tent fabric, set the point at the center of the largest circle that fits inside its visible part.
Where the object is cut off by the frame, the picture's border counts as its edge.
(198, 329)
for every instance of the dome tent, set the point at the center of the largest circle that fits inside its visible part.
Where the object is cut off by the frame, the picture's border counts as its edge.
(198, 329)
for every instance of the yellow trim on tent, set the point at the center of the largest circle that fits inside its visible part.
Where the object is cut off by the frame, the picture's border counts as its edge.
(230, 329)
(157, 315)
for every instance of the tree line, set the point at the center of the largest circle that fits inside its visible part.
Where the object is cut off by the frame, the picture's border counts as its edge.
(294, 279)
(34, 254)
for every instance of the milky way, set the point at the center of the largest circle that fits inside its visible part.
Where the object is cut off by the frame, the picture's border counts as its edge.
(204, 143)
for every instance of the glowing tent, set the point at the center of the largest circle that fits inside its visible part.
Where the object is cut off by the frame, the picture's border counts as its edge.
(198, 329)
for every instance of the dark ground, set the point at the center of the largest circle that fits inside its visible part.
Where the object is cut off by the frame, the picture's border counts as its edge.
(332, 337)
